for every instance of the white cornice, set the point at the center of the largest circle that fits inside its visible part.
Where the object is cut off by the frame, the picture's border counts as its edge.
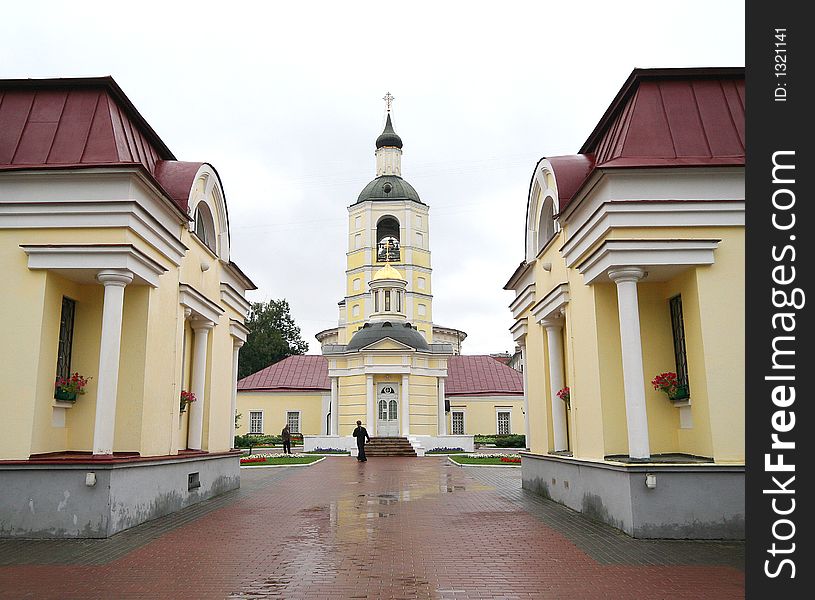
(662, 259)
(238, 330)
(524, 299)
(387, 370)
(93, 198)
(377, 266)
(519, 330)
(82, 262)
(388, 205)
(552, 302)
(621, 214)
(202, 306)
(486, 399)
(234, 300)
(104, 214)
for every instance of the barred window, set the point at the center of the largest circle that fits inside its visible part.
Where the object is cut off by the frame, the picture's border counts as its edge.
(293, 420)
(680, 352)
(503, 423)
(458, 423)
(66, 337)
(255, 421)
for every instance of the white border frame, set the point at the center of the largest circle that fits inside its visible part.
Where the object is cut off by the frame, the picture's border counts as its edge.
(503, 410)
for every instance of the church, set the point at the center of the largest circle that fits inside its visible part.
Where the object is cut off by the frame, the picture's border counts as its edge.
(386, 363)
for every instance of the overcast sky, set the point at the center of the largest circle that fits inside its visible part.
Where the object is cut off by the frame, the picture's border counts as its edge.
(285, 100)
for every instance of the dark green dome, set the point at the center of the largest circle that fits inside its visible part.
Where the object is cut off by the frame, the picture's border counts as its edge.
(401, 332)
(388, 137)
(388, 187)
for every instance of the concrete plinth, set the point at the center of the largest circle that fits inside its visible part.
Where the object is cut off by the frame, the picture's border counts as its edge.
(70, 498)
(687, 501)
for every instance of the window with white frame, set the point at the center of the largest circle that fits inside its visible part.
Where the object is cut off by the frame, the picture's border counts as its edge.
(205, 225)
(255, 421)
(458, 422)
(503, 422)
(293, 421)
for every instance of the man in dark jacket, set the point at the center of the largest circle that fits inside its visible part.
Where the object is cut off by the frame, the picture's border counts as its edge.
(286, 435)
(361, 434)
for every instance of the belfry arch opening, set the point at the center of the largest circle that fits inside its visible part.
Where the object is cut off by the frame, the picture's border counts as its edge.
(387, 240)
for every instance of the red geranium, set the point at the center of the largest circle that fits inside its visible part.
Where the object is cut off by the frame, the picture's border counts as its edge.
(666, 382)
(186, 398)
(75, 384)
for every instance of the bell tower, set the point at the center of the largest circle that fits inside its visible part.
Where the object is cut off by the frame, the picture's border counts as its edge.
(387, 227)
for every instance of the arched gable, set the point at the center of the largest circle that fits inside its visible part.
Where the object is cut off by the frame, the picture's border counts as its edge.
(207, 188)
(541, 210)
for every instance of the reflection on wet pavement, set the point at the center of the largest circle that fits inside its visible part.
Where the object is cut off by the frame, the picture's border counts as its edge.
(401, 528)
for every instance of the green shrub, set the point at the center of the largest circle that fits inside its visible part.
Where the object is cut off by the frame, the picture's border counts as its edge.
(510, 441)
(253, 440)
(501, 441)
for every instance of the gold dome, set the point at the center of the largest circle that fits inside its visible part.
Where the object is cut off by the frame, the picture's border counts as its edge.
(387, 272)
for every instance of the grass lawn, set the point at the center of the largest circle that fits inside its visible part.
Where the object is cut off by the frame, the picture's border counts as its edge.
(446, 452)
(489, 460)
(282, 460)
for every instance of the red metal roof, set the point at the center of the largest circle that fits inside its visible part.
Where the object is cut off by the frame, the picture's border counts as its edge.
(177, 177)
(295, 373)
(481, 375)
(477, 375)
(81, 123)
(570, 173)
(663, 118)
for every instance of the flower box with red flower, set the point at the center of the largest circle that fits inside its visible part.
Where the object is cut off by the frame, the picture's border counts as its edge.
(668, 383)
(66, 389)
(186, 399)
(565, 395)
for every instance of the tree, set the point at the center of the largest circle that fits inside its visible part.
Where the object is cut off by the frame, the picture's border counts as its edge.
(273, 336)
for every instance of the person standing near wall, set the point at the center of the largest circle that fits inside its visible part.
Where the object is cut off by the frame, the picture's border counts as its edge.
(361, 434)
(286, 435)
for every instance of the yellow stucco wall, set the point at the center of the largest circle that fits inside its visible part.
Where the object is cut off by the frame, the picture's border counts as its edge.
(480, 414)
(424, 405)
(151, 372)
(353, 391)
(714, 334)
(275, 406)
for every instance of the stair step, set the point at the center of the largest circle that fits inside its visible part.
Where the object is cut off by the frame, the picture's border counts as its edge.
(389, 446)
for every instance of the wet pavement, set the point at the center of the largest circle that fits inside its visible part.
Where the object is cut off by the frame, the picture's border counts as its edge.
(400, 528)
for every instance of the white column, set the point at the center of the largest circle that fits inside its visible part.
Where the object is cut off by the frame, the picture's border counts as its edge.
(626, 279)
(527, 425)
(236, 348)
(442, 413)
(335, 406)
(554, 339)
(370, 397)
(405, 405)
(200, 328)
(107, 383)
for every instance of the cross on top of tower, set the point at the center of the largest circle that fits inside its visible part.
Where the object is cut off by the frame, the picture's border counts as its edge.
(388, 98)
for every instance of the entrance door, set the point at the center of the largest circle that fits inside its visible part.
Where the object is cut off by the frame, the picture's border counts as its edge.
(387, 410)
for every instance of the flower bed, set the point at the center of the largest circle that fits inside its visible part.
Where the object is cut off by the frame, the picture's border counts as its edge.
(500, 459)
(257, 460)
(446, 451)
(328, 451)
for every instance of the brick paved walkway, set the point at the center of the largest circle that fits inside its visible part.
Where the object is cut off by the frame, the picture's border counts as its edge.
(399, 528)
